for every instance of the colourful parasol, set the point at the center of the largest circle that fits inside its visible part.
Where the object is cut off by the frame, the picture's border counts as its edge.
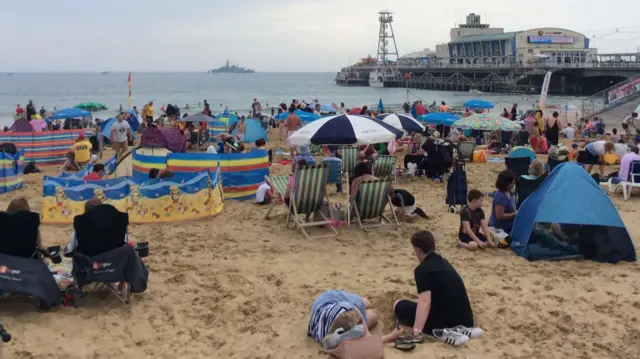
(487, 122)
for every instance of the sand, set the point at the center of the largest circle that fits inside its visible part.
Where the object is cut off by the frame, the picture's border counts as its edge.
(239, 286)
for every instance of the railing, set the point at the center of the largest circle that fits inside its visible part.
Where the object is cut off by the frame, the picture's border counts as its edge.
(585, 65)
(611, 97)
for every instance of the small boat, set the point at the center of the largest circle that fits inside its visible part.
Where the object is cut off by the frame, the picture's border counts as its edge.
(375, 79)
(476, 91)
(104, 73)
(10, 73)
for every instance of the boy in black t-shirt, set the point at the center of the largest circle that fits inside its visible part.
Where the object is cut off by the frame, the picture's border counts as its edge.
(472, 221)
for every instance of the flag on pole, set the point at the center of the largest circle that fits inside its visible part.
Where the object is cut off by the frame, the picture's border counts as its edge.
(545, 89)
(129, 86)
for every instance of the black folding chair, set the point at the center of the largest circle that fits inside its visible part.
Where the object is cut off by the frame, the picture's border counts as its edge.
(553, 163)
(99, 230)
(19, 234)
(465, 152)
(518, 165)
(525, 187)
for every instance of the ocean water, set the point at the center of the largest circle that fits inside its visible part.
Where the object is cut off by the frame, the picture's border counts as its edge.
(235, 91)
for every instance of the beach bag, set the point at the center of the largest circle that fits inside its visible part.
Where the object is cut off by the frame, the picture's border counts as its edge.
(479, 156)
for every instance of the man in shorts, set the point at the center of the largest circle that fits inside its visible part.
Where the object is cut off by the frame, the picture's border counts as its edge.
(120, 136)
(628, 124)
(292, 123)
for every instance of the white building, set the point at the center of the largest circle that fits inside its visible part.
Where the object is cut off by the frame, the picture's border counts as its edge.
(477, 43)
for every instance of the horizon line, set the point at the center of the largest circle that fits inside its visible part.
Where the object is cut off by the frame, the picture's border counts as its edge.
(153, 72)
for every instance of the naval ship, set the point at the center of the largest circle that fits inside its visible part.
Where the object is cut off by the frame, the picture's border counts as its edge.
(231, 69)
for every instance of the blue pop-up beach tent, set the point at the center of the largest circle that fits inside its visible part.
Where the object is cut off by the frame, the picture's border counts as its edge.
(253, 131)
(304, 116)
(570, 198)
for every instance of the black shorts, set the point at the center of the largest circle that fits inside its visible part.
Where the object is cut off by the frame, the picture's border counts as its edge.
(586, 158)
(465, 238)
(405, 311)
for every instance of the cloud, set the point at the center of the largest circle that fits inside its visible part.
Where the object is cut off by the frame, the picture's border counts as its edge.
(274, 35)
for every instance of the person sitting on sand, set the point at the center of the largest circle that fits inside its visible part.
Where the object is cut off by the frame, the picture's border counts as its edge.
(405, 204)
(443, 309)
(341, 321)
(228, 143)
(70, 163)
(264, 194)
(474, 231)
(82, 150)
(97, 173)
(166, 174)
(503, 207)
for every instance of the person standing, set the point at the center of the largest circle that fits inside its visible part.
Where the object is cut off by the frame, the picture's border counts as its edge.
(120, 136)
(552, 130)
(43, 112)
(629, 126)
(514, 112)
(241, 129)
(148, 112)
(256, 108)
(19, 110)
(31, 110)
(292, 123)
(443, 308)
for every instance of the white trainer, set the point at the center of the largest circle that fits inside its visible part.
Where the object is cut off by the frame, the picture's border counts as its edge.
(470, 332)
(450, 336)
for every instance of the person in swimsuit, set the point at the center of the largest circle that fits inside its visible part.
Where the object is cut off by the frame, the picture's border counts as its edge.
(241, 130)
(292, 123)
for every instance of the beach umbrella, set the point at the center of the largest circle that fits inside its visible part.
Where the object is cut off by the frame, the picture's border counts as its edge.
(401, 122)
(199, 117)
(69, 113)
(487, 122)
(478, 104)
(439, 118)
(91, 106)
(345, 130)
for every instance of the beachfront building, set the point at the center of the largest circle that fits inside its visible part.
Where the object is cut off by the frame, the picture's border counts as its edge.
(426, 56)
(478, 43)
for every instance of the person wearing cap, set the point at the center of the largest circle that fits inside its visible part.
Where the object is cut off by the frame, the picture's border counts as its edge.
(303, 154)
(82, 150)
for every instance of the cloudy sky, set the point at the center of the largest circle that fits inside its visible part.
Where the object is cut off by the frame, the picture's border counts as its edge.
(269, 35)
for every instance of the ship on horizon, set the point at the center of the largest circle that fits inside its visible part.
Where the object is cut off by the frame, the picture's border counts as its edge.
(231, 69)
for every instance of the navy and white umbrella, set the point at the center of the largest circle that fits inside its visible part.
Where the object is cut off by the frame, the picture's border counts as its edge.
(345, 130)
(401, 122)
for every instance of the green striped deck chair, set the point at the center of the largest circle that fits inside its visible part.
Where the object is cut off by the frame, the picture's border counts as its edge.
(315, 149)
(307, 196)
(350, 157)
(279, 184)
(385, 167)
(369, 205)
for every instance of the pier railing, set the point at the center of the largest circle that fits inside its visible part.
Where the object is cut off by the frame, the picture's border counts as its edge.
(523, 66)
(611, 97)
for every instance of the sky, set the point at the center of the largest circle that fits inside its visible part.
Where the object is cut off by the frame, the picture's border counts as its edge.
(269, 35)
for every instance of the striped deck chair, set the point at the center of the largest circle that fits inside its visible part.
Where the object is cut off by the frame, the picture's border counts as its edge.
(315, 149)
(373, 198)
(306, 198)
(350, 157)
(385, 167)
(279, 184)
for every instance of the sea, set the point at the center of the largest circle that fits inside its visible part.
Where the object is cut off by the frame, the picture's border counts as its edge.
(233, 91)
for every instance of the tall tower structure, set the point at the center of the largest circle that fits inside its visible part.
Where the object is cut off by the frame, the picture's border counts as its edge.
(387, 48)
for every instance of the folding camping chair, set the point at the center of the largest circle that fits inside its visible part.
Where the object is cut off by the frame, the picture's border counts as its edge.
(465, 152)
(518, 165)
(335, 172)
(99, 230)
(373, 198)
(19, 243)
(525, 187)
(350, 157)
(633, 181)
(307, 197)
(553, 163)
(385, 167)
(279, 184)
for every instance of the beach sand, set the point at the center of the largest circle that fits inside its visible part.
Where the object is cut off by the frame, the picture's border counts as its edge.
(240, 286)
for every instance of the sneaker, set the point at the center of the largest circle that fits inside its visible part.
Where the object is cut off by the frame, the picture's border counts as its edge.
(470, 332)
(450, 336)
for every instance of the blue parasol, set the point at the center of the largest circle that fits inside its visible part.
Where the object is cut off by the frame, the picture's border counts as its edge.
(69, 113)
(439, 118)
(380, 105)
(478, 104)
(304, 116)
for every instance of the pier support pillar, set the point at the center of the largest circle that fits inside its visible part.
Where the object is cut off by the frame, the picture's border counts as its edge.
(563, 85)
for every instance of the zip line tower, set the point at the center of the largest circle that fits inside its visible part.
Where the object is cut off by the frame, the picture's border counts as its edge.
(385, 52)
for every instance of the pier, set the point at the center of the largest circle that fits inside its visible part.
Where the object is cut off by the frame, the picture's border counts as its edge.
(568, 79)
